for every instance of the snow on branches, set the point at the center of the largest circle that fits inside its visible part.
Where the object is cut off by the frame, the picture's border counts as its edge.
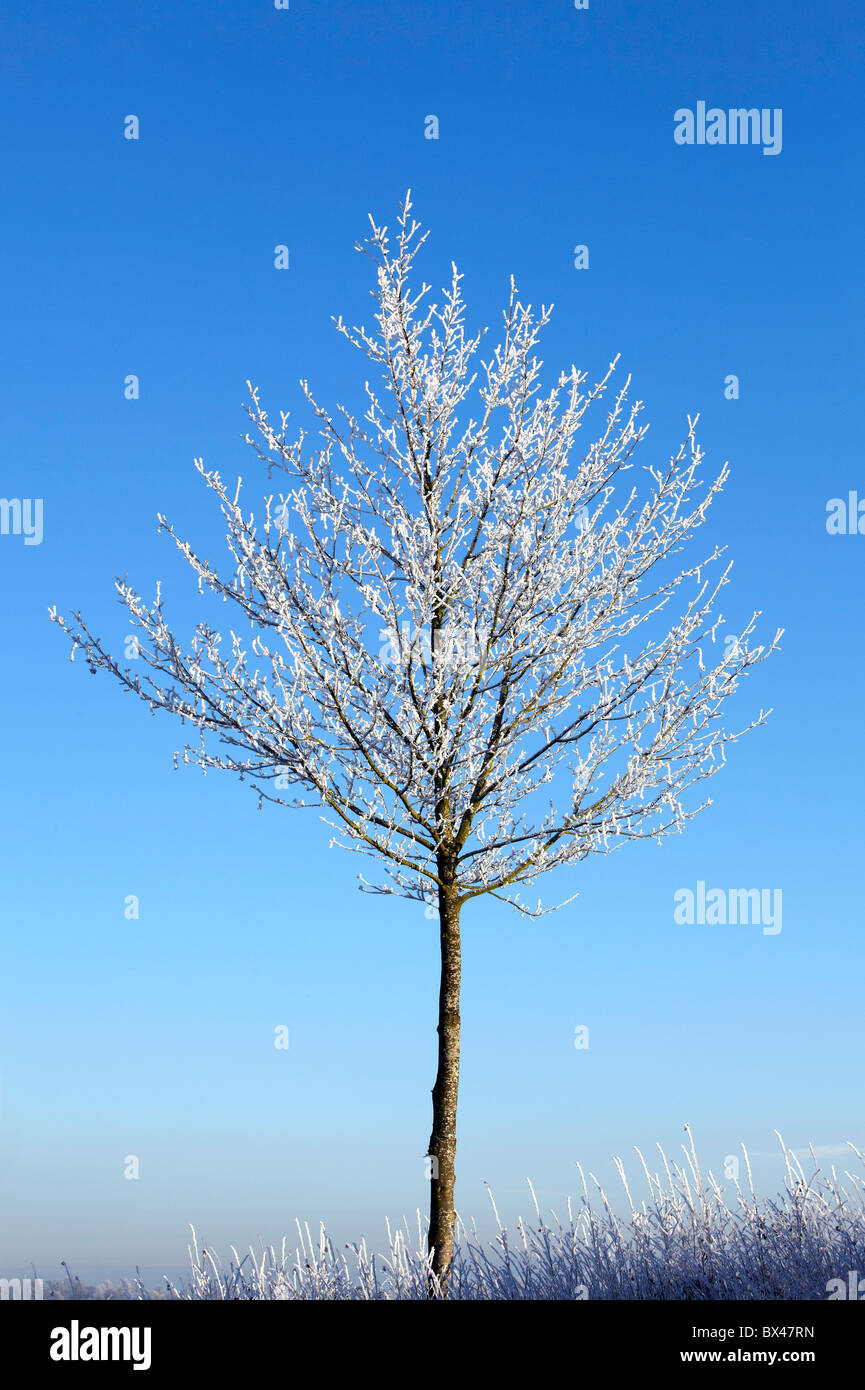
(444, 606)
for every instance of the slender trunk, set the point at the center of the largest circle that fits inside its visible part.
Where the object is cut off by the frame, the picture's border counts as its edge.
(443, 1140)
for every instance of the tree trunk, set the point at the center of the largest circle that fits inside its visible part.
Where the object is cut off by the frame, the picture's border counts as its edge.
(443, 1140)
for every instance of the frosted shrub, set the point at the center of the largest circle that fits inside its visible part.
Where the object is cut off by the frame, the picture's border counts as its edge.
(687, 1241)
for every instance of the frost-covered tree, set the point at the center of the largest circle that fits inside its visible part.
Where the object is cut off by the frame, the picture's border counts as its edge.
(444, 606)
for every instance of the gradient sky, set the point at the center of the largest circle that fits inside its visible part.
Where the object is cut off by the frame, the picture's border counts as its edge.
(155, 257)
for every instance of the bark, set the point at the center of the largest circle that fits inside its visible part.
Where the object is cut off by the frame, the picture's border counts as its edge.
(443, 1140)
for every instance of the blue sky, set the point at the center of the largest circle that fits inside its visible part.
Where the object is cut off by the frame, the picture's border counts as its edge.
(155, 257)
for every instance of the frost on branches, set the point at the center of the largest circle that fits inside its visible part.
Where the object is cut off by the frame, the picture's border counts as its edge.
(438, 640)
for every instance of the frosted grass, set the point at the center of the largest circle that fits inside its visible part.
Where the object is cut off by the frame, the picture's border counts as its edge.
(687, 1241)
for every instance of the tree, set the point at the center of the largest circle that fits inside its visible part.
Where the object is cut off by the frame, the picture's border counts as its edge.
(444, 614)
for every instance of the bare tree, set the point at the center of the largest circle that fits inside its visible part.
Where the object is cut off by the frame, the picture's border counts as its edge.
(445, 614)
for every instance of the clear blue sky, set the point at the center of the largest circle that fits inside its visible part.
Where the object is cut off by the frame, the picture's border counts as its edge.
(155, 257)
